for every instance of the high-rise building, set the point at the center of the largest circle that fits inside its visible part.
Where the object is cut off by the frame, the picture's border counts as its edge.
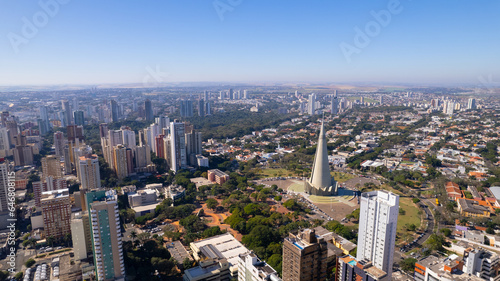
(142, 156)
(178, 155)
(56, 212)
(321, 182)
(74, 132)
(80, 234)
(148, 109)
(128, 137)
(208, 109)
(66, 112)
(245, 94)
(381, 99)
(186, 108)
(105, 236)
(4, 139)
(250, 267)
(47, 184)
(163, 122)
(193, 145)
(304, 257)
(120, 160)
(51, 166)
(23, 153)
(471, 104)
(377, 228)
(88, 172)
(59, 143)
(44, 122)
(4, 187)
(103, 130)
(114, 110)
(160, 148)
(206, 95)
(79, 118)
(312, 104)
(334, 110)
(201, 107)
(231, 94)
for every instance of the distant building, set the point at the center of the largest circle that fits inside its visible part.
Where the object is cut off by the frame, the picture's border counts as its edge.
(142, 197)
(435, 268)
(217, 176)
(59, 143)
(178, 154)
(148, 109)
(186, 108)
(304, 257)
(79, 118)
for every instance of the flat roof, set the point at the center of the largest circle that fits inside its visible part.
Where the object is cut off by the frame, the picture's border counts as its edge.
(226, 244)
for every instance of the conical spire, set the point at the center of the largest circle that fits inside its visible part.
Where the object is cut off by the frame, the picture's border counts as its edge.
(320, 177)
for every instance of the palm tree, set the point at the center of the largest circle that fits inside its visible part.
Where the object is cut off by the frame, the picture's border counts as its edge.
(133, 235)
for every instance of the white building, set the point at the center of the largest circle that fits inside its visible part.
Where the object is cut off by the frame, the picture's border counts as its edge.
(377, 228)
(78, 232)
(251, 268)
(178, 155)
(312, 104)
(88, 172)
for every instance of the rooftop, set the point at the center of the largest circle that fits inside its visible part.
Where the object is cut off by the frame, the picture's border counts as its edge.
(226, 245)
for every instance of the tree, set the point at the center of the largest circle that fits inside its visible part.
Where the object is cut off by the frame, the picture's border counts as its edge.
(212, 203)
(51, 240)
(436, 242)
(415, 200)
(187, 263)
(133, 235)
(30, 262)
(19, 276)
(446, 232)
(408, 264)
(3, 275)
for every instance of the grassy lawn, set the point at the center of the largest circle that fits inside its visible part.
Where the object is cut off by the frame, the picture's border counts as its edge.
(410, 217)
(342, 177)
(272, 172)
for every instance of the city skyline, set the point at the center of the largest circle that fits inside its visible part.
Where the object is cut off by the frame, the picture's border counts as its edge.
(54, 43)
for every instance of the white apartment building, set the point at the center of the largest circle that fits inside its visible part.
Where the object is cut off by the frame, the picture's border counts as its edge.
(377, 228)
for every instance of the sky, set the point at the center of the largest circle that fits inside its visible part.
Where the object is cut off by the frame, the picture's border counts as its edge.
(92, 42)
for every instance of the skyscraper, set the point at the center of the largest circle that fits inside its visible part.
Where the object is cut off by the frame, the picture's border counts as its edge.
(148, 108)
(245, 94)
(304, 257)
(79, 118)
(114, 110)
(193, 145)
(4, 187)
(67, 112)
(312, 104)
(59, 143)
(206, 95)
(178, 155)
(321, 182)
(163, 122)
(377, 228)
(44, 123)
(106, 236)
(471, 103)
(4, 139)
(208, 109)
(120, 160)
(80, 233)
(186, 108)
(334, 110)
(88, 172)
(201, 108)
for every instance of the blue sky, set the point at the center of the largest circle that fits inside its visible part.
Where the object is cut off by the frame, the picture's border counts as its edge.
(96, 42)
